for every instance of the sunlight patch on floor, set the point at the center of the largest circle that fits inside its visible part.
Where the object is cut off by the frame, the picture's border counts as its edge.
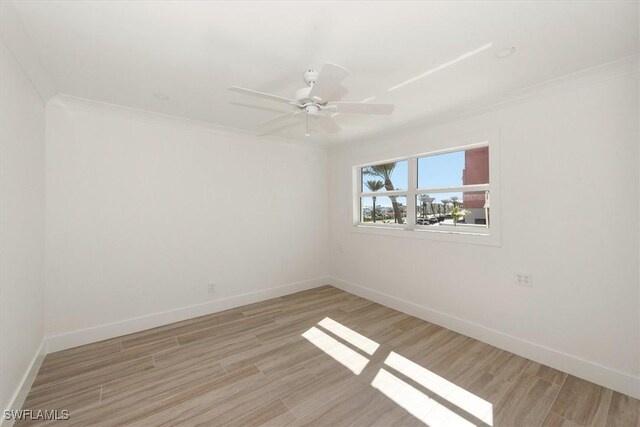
(349, 335)
(351, 359)
(460, 397)
(418, 404)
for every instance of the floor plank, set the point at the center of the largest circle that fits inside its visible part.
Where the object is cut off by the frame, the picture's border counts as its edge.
(526, 402)
(582, 402)
(623, 411)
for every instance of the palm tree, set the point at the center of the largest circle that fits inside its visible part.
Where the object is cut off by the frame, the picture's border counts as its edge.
(430, 201)
(444, 204)
(454, 200)
(384, 172)
(424, 198)
(374, 186)
(438, 210)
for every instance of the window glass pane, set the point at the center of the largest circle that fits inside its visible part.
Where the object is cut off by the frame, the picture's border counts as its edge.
(388, 210)
(468, 208)
(454, 169)
(385, 177)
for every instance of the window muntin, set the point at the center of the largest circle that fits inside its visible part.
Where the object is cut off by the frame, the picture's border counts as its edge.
(444, 191)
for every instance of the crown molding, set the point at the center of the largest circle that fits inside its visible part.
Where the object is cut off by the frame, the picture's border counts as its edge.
(73, 103)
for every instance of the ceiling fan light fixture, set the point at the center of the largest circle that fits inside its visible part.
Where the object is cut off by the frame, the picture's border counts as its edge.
(312, 110)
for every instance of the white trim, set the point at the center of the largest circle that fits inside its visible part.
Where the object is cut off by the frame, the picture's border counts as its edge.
(412, 170)
(461, 228)
(116, 329)
(599, 374)
(462, 146)
(458, 189)
(591, 371)
(439, 234)
(21, 392)
(383, 193)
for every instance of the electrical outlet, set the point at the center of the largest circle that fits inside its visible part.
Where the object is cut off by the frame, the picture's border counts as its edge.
(524, 279)
(211, 287)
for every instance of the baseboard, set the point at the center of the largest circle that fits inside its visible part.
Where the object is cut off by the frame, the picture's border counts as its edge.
(599, 374)
(590, 371)
(112, 330)
(19, 396)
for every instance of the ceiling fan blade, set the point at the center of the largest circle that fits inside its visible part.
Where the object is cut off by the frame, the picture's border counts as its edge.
(259, 107)
(339, 93)
(262, 95)
(361, 108)
(280, 118)
(278, 129)
(328, 82)
(328, 124)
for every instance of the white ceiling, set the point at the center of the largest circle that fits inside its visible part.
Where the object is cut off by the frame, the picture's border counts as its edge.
(125, 52)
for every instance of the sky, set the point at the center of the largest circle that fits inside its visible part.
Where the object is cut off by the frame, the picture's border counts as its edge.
(444, 170)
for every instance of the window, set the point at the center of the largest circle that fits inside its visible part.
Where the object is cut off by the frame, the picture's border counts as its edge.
(448, 192)
(453, 189)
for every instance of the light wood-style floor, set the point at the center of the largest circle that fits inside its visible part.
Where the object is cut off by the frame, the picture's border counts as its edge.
(252, 366)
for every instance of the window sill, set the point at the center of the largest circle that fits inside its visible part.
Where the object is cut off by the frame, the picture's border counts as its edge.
(465, 236)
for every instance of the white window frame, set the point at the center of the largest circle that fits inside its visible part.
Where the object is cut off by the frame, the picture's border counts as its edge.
(466, 233)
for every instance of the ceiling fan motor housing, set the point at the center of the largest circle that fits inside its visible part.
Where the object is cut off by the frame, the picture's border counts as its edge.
(311, 76)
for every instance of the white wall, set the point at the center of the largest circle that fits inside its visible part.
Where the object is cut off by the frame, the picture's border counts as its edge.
(143, 211)
(575, 150)
(22, 220)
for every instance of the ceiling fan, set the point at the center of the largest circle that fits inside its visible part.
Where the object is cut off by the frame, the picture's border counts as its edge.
(315, 100)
